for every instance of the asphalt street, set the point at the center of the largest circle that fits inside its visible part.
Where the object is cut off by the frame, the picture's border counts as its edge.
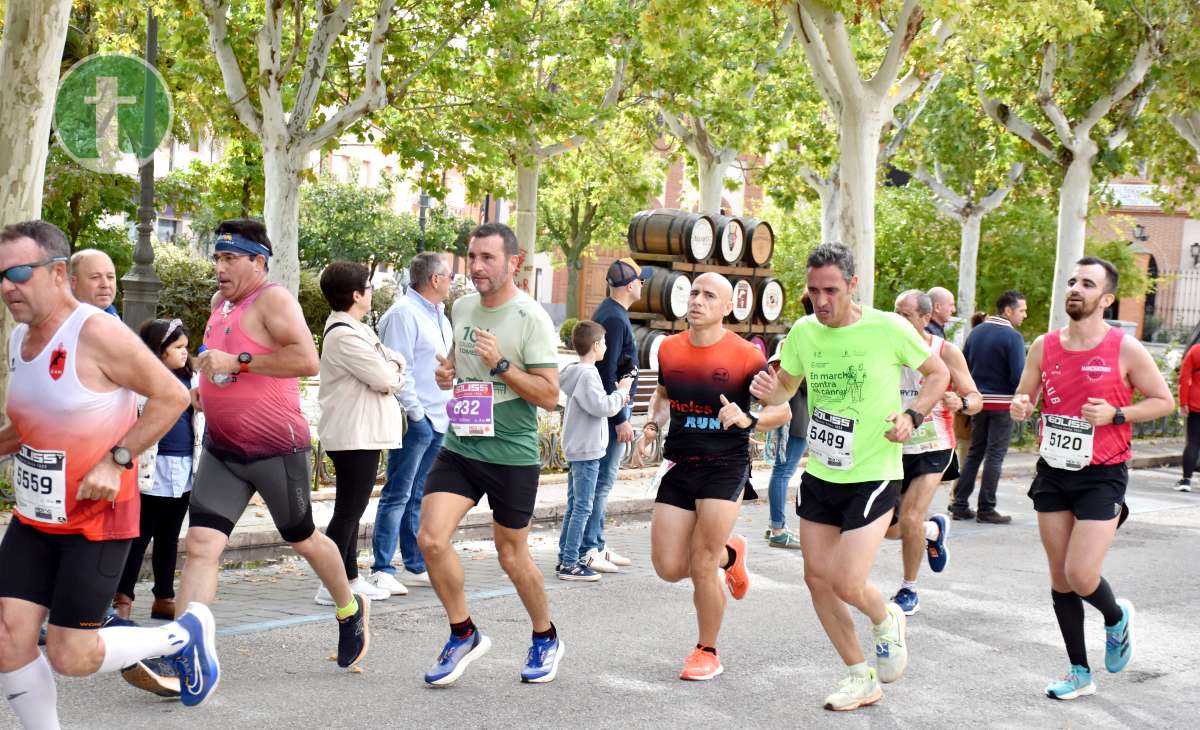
(982, 647)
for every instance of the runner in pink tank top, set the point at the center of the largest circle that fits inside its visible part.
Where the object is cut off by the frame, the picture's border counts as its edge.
(1085, 375)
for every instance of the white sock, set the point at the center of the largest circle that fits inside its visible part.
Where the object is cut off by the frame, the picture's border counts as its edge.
(32, 695)
(932, 530)
(126, 645)
(859, 670)
(909, 584)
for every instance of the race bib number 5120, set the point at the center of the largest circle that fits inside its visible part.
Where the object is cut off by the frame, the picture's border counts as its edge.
(1066, 442)
(40, 484)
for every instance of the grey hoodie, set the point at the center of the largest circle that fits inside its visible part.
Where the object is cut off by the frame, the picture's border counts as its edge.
(585, 424)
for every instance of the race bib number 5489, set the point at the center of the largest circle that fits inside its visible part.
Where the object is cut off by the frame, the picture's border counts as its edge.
(831, 439)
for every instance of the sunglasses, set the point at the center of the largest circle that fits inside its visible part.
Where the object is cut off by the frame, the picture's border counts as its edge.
(24, 272)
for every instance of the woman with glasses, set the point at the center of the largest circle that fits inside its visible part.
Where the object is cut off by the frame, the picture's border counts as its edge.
(164, 479)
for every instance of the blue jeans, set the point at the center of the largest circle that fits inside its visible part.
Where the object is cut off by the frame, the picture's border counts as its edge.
(610, 464)
(581, 491)
(399, 513)
(781, 474)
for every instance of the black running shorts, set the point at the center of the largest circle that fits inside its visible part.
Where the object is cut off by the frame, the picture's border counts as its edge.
(1095, 492)
(692, 479)
(848, 506)
(222, 489)
(74, 577)
(511, 490)
(944, 462)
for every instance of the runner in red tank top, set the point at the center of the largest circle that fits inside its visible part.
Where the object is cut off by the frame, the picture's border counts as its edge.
(1085, 375)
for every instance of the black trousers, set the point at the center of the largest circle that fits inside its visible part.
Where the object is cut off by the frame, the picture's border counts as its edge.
(1191, 449)
(355, 473)
(990, 435)
(161, 519)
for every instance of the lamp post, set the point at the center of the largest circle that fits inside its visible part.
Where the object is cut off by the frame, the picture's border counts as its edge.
(423, 204)
(140, 283)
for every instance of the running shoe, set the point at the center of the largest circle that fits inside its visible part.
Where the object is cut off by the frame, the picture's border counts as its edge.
(786, 539)
(354, 634)
(1118, 640)
(576, 572)
(891, 653)
(736, 575)
(615, 558)
(370, 590)
(386, 581)
(196, 663)
(156, 676)
(855, 691)
(455, 656)
(542, 664)
(595, 560)
(1077, 683)
(701, 665)
(1184, 485)
(907, 600)
(936, 549)
(416, 579)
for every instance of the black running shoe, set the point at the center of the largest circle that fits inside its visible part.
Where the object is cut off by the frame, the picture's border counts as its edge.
(353, 634)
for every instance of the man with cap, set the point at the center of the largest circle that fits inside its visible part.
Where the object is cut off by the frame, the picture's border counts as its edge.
(625, 280)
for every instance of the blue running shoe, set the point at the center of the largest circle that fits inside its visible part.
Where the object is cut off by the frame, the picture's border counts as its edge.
(155, 675)
(196, 663)
(455, 656)
(1118, 640)
(1077, 683)
(907, 600)
(542, 664)
(936, 549)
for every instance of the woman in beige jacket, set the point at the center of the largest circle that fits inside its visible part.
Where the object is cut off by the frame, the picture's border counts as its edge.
(360, 415)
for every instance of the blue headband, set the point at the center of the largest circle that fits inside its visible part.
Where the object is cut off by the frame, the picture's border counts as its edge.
(233, 243)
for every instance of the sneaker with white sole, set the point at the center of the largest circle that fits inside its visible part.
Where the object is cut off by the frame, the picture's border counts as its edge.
(386, 581)
(416, 579)
(1077, 683)
(370, 590)
(891, 651)
(1184, 485)
(596, 561)
(615, 558)
(323, 597)
(855, 691)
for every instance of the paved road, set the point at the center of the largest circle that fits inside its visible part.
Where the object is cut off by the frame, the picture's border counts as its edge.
(982, 647)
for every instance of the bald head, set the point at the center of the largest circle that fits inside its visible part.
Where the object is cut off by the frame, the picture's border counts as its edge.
(710, 300)
(943, 304)
(915, 300)
(93, 277)
(717, 282)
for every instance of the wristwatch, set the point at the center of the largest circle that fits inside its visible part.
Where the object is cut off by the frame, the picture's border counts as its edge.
(753, 420)
(501, 368)
(122, 456)
(917, 418)
(1118, 417)
(244, 362)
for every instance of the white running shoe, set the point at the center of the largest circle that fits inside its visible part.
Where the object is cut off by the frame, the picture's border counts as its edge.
(417, 579)
(615, 558)
(386, 581)
(1184, 485)
(891, 652)
(594, 560)
(370, 590)
(323, 597)
(855, 691)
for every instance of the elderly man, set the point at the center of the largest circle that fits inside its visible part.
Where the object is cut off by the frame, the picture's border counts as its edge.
(93, 279)
(943, 310)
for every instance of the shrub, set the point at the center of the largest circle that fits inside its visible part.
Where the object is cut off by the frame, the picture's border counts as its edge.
(564, 331)
(188, 286)
(312, 301)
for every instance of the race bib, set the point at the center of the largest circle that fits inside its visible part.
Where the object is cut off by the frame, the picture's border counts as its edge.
(470, 409)
(1066, 442)
(923, 438)
(831, 439)
(41, 485)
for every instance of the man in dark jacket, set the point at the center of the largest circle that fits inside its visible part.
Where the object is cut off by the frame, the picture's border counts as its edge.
(625, 279)
(995, 353)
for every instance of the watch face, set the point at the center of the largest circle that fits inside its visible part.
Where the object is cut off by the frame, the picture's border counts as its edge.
(245, 358)
(122, 456)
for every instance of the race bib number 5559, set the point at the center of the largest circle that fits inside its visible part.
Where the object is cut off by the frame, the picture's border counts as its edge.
(41, 484)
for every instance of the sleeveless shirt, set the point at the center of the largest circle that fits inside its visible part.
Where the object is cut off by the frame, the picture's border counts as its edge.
(1070, 377)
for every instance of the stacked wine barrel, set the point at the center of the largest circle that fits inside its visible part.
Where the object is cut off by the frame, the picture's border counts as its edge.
(678, 245)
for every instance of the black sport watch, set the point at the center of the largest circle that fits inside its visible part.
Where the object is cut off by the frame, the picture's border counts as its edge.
(501, 368)
(917, 418)
(122, 456)
(1118, 417)
(244, 360)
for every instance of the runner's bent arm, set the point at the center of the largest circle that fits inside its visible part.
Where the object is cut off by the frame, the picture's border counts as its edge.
(936, 378)
(772, 417)
(539, 386)
(1030, 386)
(960, 378)
(1147, 380)
(774, 388)
(283, 319)
(10, 440)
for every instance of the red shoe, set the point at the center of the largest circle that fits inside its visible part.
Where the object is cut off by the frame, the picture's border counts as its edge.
(701, 665)
(736, 575)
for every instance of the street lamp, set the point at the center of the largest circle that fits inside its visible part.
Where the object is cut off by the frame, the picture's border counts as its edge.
(140, 283)
(1139, 233)
(423, 203)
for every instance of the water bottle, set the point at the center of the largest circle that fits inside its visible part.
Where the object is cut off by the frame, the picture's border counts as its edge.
(221, 379)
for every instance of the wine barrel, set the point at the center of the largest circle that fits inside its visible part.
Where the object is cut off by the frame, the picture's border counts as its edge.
(771, 298)
(665, 293)
(760, 242)
(673, 232)
(648, 342)
(731, 240)
(759, 342)
(743, 299)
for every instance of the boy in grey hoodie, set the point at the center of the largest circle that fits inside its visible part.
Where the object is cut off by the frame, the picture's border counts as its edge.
(585, 441)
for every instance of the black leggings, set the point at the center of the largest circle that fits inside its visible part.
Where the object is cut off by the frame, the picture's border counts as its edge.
(355, 473)
(161, 519)
(1192, 448)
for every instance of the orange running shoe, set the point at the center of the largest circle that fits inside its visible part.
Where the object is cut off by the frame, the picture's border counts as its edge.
(736, 575)
(701, 665)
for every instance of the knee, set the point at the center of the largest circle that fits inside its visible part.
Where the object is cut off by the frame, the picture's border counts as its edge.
(816, 582)
(672, 571)
(704, 563)
(912, 523)
(68, 661)
(432, 546)
(513, 558)
(847, 589)
(204, 548)
(309, 546)
(1082, 580)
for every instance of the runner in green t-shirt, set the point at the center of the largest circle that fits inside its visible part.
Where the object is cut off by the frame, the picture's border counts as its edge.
(502, 368)
(851, 356)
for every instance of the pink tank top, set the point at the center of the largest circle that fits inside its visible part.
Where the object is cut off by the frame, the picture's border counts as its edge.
(1069, 378)
(253, 416)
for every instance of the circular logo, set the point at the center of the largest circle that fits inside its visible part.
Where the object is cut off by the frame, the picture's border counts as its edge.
(111, 112)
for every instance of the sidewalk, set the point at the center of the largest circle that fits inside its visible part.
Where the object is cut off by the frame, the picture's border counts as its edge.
(256, 538)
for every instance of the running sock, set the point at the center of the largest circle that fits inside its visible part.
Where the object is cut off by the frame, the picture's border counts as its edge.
(909, 584)
(1105, 602)
(1068, 609)
(550, 633)
(349, 609)
(861, 669)
(710, 649)
(932, 530)
(32, 695)
(462, 629)
(127, 645)
(730, 557)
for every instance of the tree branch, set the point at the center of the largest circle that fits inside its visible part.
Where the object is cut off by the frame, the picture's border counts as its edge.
(329, 27)
(1147, 52)
(908, 25)
(677, 128)
(610, 99)
(1140, 98)
(948, 202)
(1187, 125)
(1045, 96)
(816, 53)
(1002, 115)
(992, 200)
(901, 132)
(764, 68)
(216, 12)
(298, 33)
(837, 42)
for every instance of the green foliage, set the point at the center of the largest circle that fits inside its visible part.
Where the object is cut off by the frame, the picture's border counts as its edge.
(312, 301)
(112, 240)
(77, 200)
(564, 330)
(189, 283)
(210, 193)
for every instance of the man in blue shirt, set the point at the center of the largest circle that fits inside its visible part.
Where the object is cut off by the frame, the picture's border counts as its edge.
(415, 326)
(625, 279)
(93, 279)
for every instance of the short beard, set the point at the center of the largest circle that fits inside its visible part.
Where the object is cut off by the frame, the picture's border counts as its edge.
(1083, 312)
